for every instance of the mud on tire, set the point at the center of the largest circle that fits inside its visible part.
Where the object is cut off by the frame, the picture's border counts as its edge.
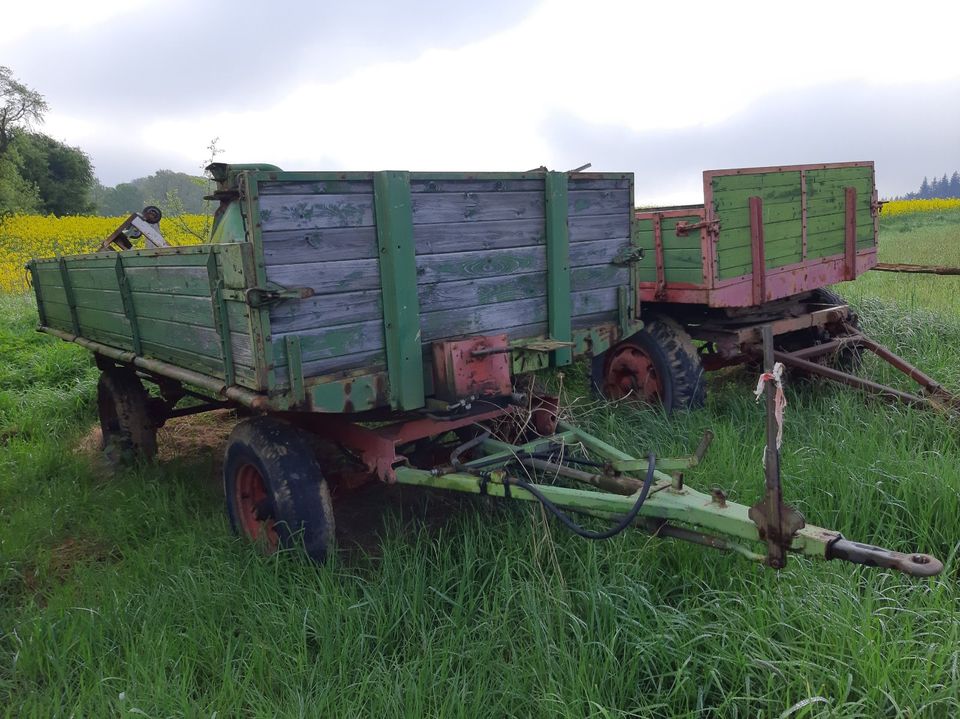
(123, 405)
(275, 492)
(669, 352)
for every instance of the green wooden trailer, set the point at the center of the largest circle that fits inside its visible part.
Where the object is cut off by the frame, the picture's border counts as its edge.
(390, 313)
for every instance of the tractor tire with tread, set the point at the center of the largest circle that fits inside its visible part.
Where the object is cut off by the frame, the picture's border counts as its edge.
(677, 375)
(126, 420)
(274, 488)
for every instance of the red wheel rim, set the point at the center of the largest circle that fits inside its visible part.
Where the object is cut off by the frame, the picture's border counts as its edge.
(252, 501)
(632, 374)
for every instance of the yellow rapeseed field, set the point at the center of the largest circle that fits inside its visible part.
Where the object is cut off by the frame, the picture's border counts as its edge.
(23, 237)
(908, 207)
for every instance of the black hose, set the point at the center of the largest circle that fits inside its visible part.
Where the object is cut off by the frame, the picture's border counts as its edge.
(588, 533)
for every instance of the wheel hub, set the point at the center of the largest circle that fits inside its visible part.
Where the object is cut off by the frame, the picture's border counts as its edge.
(631, 373)
(254, 508)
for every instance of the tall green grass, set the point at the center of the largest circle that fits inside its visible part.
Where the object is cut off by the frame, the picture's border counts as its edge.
(124, 593)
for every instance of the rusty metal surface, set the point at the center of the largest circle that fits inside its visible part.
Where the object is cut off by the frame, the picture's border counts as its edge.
(660, 292)
(377, 446)
(780, 282)
(850, 234)
(757, 251)
(915, 269)
(776, 521)
(473, 367)
(916, 565)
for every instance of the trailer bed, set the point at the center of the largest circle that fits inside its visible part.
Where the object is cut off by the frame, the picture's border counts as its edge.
(762, 234)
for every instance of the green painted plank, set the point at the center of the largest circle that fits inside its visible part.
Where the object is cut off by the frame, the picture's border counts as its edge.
(398, 278)
(192, 281)
(771, 196)
(672, 274)
(734, 183)
(559, 205)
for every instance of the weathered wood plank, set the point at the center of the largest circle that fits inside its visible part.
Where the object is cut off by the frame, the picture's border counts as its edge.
(100, 279)
(322, 343)
(184, 358)
(597, 252)
(167, 260)
(445, 237)
(676, 257)
(330, 244)
(59, 312)
(498, 317)
(786, 194)
(597, 183)
(596, 276)
(587, 228)
(184, 309)
(733, 183)
(373, 360)
(471, 265)
(599, 202)
(113, 323)
(671, 274)
(307, 212)
(326, 277)
(470, 293)
(326, 311)
(315, 187)
(476, 206)
(192, 338)
(192, 281)
(476, 185)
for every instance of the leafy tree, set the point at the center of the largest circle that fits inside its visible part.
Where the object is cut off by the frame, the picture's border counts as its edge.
(172, 192)
(16, 194)
(62, 174)
(20, 107)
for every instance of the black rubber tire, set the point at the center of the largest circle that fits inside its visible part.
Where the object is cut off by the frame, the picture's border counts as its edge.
(298, 499)
(674, 357)
(124, 407)
(849, 359)
(152, 214)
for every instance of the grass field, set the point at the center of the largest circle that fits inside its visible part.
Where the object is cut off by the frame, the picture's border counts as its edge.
(124, 593)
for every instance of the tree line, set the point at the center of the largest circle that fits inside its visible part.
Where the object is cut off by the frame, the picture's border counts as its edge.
(937, 188)
(41, 175)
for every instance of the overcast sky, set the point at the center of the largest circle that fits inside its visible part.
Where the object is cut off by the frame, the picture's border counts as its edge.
(666, 89)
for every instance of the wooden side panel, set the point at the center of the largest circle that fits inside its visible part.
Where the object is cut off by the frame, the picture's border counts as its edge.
(322, 235)
(785, 195)
(169, 315)
(481, 255)
(599, 224)
(682, 255)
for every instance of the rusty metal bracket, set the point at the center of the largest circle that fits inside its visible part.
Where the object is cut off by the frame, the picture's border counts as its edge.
(263, 296)
(684, 228)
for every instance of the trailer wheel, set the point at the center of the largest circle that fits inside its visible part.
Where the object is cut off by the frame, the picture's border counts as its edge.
(126, 422)
(276, 494)
(658, 365)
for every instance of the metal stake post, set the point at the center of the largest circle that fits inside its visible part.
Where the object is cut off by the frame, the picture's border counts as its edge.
(776, 521)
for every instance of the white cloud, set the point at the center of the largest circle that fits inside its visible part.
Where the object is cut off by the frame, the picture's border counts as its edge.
(634, 65)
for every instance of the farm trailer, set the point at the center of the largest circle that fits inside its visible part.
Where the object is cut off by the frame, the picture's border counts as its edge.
(389, 313)
(762, 250)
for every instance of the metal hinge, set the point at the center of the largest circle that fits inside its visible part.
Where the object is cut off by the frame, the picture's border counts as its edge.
(261, 296)
(712, 227)
(627, 255)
